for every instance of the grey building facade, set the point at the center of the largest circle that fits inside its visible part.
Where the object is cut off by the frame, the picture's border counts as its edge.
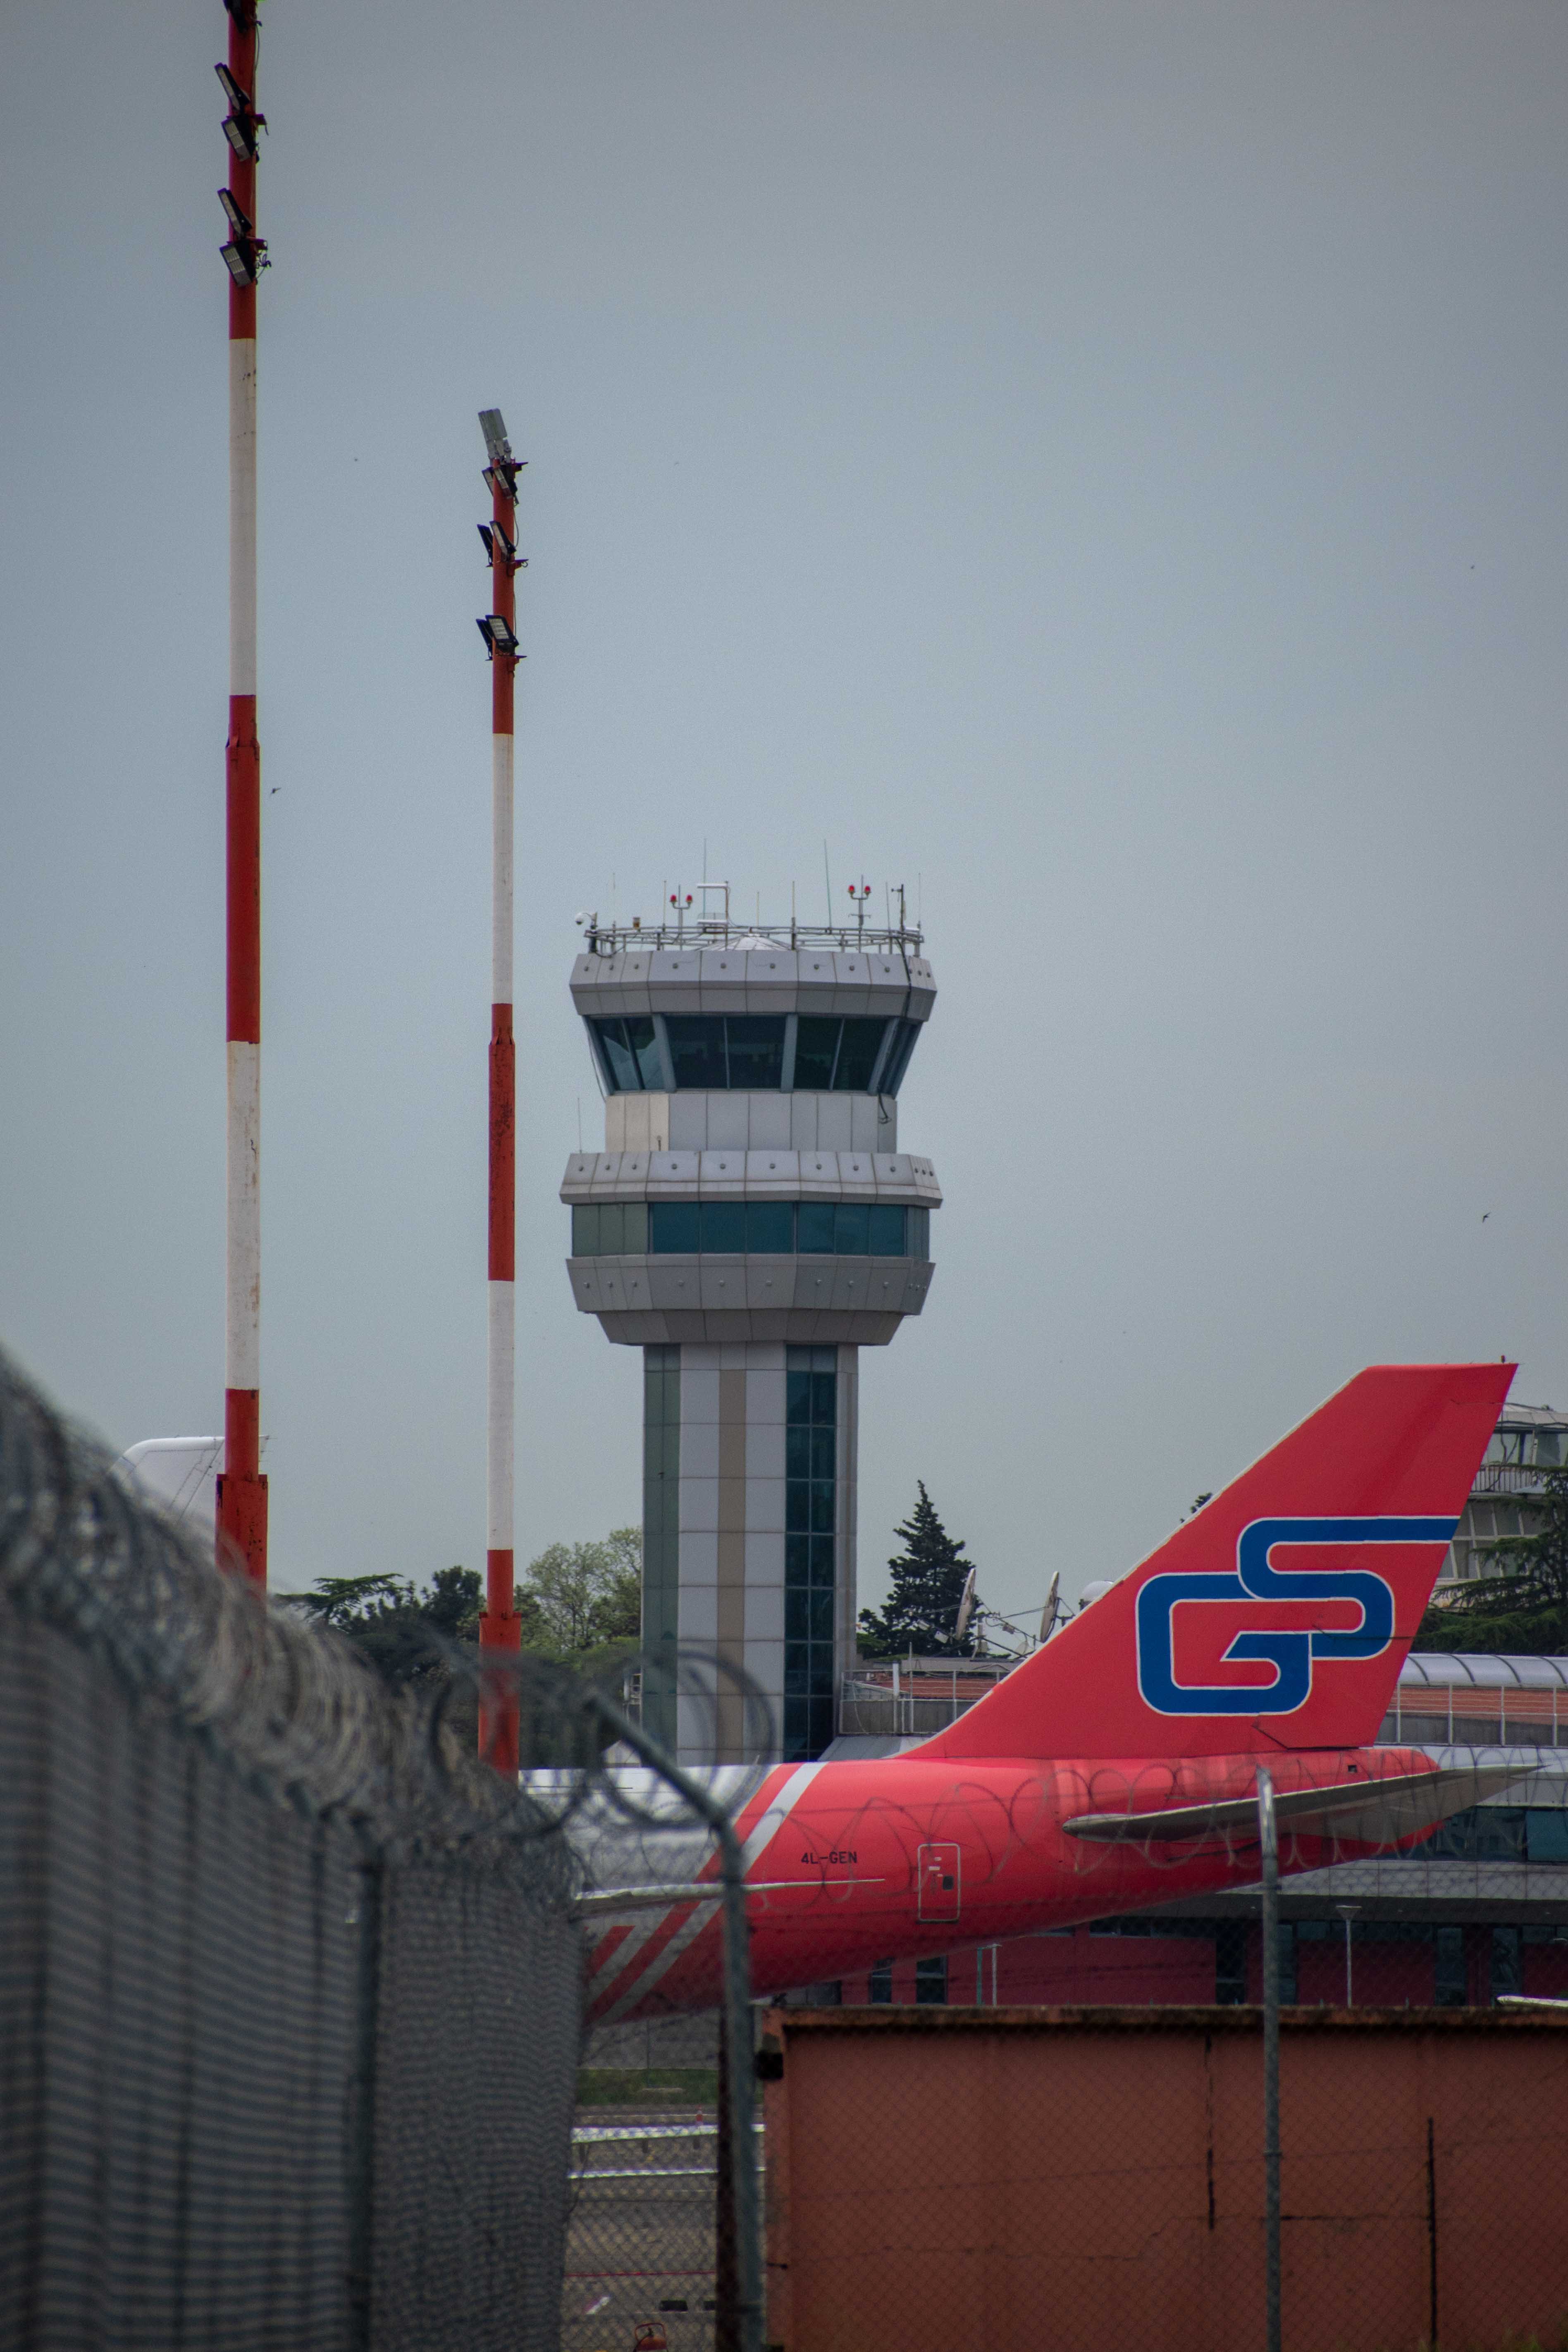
(751, 1224)
(1531, 1441)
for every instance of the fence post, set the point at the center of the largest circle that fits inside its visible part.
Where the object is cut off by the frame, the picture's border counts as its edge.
(1268, 1837)
(369, 1873)
(726, 2278)
(1431, 2234)
(741, 2082)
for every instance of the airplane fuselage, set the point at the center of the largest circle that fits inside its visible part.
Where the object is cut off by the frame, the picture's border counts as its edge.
(850, 1864)
(1266, 1634)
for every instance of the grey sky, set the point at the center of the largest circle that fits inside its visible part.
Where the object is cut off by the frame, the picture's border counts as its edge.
(1107, 462)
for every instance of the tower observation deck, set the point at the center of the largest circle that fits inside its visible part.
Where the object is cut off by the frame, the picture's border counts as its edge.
(751, 1224)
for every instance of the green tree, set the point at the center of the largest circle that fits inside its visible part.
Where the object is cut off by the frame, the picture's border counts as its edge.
(928, 1581)
(580, 1600)
(403, 1632)
(1525, 1607)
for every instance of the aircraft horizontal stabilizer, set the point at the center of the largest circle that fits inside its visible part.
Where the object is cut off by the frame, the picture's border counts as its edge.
(1375, 1814)
(594, 1900)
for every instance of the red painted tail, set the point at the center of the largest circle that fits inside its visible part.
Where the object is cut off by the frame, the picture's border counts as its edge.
(1280, 1615)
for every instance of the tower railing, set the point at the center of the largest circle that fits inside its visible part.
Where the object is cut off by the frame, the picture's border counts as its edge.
(712, 931)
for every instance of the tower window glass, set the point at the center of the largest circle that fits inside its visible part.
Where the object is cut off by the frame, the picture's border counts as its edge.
(629, 1053)
(755, 1228)
(759, 1052)
(811, 1452)
(697, 1048)
(727, 1049)
(838, 1057)
(756, 1043)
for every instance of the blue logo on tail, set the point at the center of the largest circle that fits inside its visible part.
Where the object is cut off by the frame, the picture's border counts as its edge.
(1290, 1653)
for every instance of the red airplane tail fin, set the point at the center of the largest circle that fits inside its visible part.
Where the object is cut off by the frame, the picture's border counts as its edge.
(1279, 1616)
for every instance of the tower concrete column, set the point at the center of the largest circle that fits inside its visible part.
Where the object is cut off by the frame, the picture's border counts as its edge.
(751, 1226)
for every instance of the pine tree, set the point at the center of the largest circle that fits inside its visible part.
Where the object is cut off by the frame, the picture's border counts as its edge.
(929, 1577)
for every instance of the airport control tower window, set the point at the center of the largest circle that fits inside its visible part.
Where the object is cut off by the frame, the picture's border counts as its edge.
(629, 1053)
(727, 1049)
(755, 1045)
(837, 1056)
(751, 1228)
(759, 1053)
(811, 1450)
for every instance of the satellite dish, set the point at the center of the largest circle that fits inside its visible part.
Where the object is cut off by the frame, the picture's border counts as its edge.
(1092, 1591)
(1052, 1610)
(965, 1608)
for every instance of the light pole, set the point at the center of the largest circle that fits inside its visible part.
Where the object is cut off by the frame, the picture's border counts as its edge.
(499, 1631)
(1347, 1912)
(241, 1488)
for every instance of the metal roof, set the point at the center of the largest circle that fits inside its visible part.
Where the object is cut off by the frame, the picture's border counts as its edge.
(1444, 1669)
(1532, 1416)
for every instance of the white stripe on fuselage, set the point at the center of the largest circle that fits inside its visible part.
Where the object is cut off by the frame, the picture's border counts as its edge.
(763, 1831)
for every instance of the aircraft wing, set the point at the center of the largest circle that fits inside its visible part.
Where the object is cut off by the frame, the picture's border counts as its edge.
(1377, 1812)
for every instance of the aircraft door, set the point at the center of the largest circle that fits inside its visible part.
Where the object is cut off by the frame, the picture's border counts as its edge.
(939, 1881)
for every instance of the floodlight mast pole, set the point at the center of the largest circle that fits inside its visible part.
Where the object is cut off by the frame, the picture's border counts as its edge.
(241, 1488)
(500, 1633)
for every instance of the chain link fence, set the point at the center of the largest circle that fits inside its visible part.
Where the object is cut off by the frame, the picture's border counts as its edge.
(290, 1986)
(1124, 2133)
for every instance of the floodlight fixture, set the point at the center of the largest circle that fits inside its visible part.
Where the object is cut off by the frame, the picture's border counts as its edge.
(492, 532)
(503, 475)
(496, 442)
(238, 220)
(243, 122)
(497, 634)
(246, 259)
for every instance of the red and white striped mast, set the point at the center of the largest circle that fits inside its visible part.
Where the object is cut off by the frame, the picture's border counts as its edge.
(500, 1633)
(241, 1488)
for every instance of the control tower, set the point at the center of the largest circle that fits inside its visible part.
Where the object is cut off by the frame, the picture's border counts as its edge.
(751, 1225)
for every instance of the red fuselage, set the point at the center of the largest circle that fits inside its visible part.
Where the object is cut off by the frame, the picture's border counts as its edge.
(861, 1861)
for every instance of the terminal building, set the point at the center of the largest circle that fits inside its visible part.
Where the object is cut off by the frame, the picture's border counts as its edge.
(1531, 1440)
(752, 1224)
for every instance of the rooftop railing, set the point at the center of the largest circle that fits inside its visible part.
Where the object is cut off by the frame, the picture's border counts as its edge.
(1512, 1478)
(709, 931)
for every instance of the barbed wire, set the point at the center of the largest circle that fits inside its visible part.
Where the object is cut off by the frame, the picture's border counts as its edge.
(293, 1705)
